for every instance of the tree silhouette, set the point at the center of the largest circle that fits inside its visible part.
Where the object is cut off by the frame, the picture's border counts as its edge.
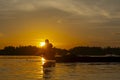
(76, 51)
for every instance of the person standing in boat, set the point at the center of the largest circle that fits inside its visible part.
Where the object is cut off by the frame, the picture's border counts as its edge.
(49, 53)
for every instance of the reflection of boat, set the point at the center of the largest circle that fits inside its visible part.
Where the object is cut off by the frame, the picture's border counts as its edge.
(49, 63)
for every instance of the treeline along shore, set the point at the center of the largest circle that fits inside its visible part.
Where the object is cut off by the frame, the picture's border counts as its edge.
(76, 54)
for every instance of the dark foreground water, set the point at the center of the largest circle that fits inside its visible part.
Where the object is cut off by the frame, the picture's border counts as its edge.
(30, 68)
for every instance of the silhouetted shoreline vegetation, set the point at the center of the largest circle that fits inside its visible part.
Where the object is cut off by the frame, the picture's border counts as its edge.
(76, 54)
(76, 51)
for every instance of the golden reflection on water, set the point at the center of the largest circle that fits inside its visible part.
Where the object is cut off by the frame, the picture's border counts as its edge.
(34, 69)
(43, 60)
(29, 68)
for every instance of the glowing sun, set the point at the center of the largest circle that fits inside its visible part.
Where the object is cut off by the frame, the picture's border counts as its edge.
(42, 44)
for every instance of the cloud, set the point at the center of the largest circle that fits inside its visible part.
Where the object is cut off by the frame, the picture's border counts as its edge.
(117, 33)
(91, 11)
(107, 8)
(72, 12)
(1, 34)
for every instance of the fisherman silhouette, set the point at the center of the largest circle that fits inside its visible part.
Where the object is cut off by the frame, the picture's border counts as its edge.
(49, 53)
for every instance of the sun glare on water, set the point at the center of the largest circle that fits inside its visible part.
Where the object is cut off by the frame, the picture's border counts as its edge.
(43, 60)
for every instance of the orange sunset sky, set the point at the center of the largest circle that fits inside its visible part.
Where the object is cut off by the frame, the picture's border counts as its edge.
(66, 23)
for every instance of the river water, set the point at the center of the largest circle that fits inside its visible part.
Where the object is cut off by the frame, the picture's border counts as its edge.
(30, 68)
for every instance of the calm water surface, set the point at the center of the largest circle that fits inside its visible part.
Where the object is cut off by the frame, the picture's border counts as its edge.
(30, 68)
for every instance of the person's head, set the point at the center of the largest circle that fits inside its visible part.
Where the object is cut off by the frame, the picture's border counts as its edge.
(46, 41)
